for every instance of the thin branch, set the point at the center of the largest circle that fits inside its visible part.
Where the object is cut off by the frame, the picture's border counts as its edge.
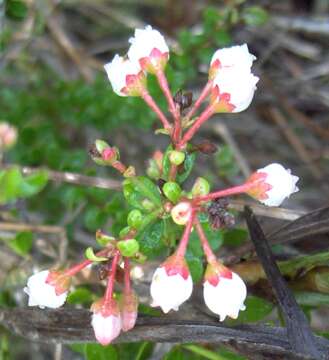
(73, 326)
(300, 335)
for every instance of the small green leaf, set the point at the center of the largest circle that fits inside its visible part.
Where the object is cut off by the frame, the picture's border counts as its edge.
(195, 265)
(34, 183)
(22, 243)
(128, 247)
(16, 9)
(99, 352)
(80, 295)
(135, 219)
(172, 191)
(10, 184)
(90, 255)
(255, 16)
(256, 309)
(151, 239)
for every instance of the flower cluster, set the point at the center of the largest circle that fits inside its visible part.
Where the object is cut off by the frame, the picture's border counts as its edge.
(230, 88)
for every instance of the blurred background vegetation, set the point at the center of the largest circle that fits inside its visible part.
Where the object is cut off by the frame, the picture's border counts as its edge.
(55, 92)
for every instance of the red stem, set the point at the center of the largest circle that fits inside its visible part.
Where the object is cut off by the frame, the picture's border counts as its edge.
(204, 93)
(211, 257)
(209, 111)
(180, 252)
(127, 288)
(78, 267)
(119, 166)
(111, 278)
(152, 104)
(218, 194)
(167, 93)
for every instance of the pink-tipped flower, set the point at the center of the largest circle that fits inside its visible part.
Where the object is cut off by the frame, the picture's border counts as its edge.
(231, 58)
(233, 89)
(171, 284)
(182, 212)
(149, 49)
(126, 76)
(129, 306)
(106, 321)
(273, 184)
(8, 135)
(47, 289)
(224, 292)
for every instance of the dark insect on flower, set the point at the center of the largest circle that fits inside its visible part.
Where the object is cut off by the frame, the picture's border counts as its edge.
(218, 215)
(184, 100)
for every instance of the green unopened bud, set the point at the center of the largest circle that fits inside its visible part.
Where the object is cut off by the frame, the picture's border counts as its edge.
(101, 145)
(103, 239)
(135, 219)
(128, 247)
(148, 205)
(176, 157)
(153, 170)
(201, 187)
(172, 191)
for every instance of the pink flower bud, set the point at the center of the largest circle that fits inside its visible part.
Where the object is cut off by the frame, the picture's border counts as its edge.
(126, 76)
(129, 306)
(181, 213)
(224, 292)
(106, 321)
(47, 289)
(8, 135)
(232, 57)
(171, 284)
(273, 184)
(149, 49)
(233, 89)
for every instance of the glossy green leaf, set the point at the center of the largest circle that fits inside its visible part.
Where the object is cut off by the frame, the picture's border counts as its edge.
(34, 183)
(22, 243)
(151, 239)
(99, 352)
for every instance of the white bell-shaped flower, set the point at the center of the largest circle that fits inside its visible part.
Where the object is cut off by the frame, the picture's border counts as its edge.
(106, 328)
(170, 291)
(234, 89)
(149, 49)
(124, 75)
(43, 294)
(233, 57)
(226, 298)
(277, 184)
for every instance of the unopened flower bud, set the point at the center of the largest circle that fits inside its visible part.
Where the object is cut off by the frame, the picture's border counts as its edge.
(47, 289)
(149, 49)
(106, 321)
(176, 157)
(181, 213)
(8, 135)
(172, 191)
(128, 247)
(129, 307)
(273, 184)
(129, 172)
(201, 187)
(224, 291)
(126, 76)
(171, 284)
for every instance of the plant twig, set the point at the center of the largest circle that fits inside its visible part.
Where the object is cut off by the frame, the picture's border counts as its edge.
(299, 333)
